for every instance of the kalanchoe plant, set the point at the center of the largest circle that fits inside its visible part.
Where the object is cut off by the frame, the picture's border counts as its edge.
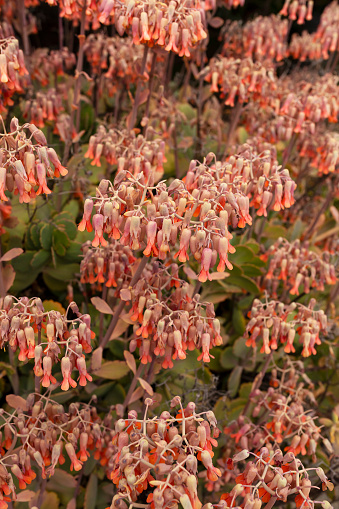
(182, 277)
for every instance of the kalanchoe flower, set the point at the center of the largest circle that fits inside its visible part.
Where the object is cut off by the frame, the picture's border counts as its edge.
(263, 38)
(297, 267)
(276, 323)
(174, 26)
(45, 63)
(159, 442)
(13, 71)
(299, 10)
(22, 169)
(129, 152)
(18, 336)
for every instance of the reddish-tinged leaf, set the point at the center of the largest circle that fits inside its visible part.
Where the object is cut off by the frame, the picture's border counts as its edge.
(16, 402)
(125, 294)
(146, 386)
(119, 329)
(101, 306)
(25, 496)
(137, 394)
(12, 253)
(190, 273)
(130, 361)
(219, 275)
(8, 275)
(112, 370)
(96, 358)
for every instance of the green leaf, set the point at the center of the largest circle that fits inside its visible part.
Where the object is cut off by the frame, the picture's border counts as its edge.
(61, 480)
(251, 270)
(7, 367)
(240, 349)
(112, 370)
(46, 233)
(242, 255)
(73, 253)
(245, 390)
(228, 359)
(60, 242)
(55, 285)
(243, 282)
(63, 272)
(238, 321)
(40, 258)
(234, 381)
(23, 262)
(72, 208)
(69, 227)
(35, 234)
(91, 492)
(254, 246)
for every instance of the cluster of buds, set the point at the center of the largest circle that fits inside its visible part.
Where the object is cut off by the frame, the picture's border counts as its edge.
(168, 321)
(47, 65)
(286, 407)
(296, 265)
(299, 10)
(328, 32)
(256, 171)
(276, 323)
(45, 107)
(241, 79)
(25, 165)
(260, 39)
(72, 10)
(306, 47)
(172, 25)
(109, 265)
(271, 476)
(140, 213)
(311, 103)
(323, 153)
(12, 71)
(131, 153)
(65, 128)
(162, 455)
(48, 435)
(116, 56)
(21, 320)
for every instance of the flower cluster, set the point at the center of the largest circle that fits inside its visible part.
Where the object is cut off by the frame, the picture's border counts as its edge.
(259, 39)
(175, 26)
(163, 454)
(241, 79)
(22, 319)
(45, 107)
(139, 213)
(47, 65)
(276, 323)
(306, 47)
(73, 9)
(323, 155)
(12, 71)
(255, 170)
(328, 32)
(296, 265)
(25, 165)
(286, 408)
(109, 265)
(168, 322)
(131, 153)
(48, 434)
(273, 475)
(299, 10)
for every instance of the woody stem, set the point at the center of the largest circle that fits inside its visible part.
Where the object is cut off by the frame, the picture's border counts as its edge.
(133, 385)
